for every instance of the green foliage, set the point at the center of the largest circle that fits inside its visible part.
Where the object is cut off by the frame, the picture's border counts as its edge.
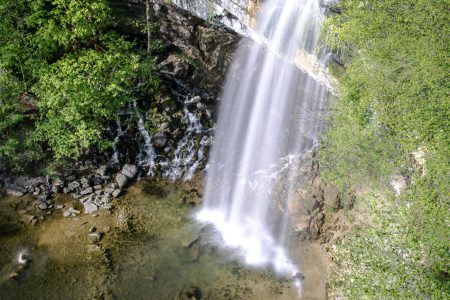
(17, 146)
(381, 261)
(82, 91)
(394, 101)
(63, 76)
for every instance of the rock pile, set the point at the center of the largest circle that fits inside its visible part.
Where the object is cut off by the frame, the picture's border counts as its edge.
(94, 191)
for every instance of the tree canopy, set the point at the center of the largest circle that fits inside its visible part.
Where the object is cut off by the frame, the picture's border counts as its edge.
(64, 73)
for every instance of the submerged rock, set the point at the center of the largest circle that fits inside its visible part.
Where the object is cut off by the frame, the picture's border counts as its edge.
(190, 237)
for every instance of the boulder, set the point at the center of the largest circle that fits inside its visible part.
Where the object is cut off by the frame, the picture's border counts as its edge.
(42, 205)
(57, 181)
(159, 140)
(56, 189)
(121, 180)
(71, 212)
(102, 170)
(15, 190)
(194, 100)
(70, 178)
(87, 191)
(129, 171)
(73, 185)
(97, 181)
(89, 207)
(201, 106)
(116, 193)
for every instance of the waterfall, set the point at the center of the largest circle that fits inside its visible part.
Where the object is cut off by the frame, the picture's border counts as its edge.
(275, 92)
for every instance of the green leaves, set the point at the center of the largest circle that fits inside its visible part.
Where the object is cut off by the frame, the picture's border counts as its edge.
(394, 101)
(80, 93)
(63, 77)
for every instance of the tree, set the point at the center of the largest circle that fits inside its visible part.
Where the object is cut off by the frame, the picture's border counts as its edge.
(81, 92)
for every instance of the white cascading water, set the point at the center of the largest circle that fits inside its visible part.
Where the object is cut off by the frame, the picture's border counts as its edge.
(267, 119)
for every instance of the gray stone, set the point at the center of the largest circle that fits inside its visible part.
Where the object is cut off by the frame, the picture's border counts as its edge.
(201, 106)
(109, 190)
(89, 207)
(106, 199)
(116, 193)
(73, 185)
(97, 187)
(121, 180)
(159, 140)
(15, 190)
(56, 189)
(102, 170)
(42, 198)
(87, 198)
(42, 205)
(129, 170)
(87, 191)
(85, 181)
(194, 100)
(105, 178)
(57, 182)
(70, 178)
(97, 181)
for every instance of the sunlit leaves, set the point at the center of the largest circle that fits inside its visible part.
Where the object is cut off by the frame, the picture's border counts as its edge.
(79, 93)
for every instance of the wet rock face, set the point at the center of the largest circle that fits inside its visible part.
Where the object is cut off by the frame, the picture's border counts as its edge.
(207, 49)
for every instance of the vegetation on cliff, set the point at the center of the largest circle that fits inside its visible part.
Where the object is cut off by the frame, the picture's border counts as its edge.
(393, 119)
(64, 73)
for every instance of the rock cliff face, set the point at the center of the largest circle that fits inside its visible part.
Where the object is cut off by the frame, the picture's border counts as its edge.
(207, 49)
(202, 33)
(238, 15)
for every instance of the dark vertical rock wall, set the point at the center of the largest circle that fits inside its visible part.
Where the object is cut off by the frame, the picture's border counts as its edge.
(199, 52)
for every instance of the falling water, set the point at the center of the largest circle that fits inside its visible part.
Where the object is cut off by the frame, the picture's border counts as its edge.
(270, 115)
